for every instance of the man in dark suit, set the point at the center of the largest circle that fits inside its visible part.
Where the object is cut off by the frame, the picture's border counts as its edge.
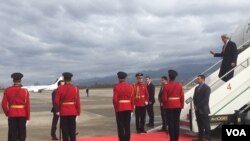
(164, 81)
(87, 91)
(229, 54)
(55, 112)
(201, 106)
(151, 101)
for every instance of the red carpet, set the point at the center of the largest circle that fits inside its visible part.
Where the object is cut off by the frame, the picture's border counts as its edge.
(154, 136)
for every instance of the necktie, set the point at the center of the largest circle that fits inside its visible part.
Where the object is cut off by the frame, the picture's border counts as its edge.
(224, 48)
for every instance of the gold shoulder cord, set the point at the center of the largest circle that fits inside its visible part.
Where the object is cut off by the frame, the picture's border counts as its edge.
(76, 94)
(137, 93)
(25, 97)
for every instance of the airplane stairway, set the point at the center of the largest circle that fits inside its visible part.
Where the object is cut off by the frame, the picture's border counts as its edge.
(225, 97)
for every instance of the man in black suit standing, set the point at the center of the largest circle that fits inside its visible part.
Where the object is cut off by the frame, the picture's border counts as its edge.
(87, 91)
(229, 54)
(202, 110)
(55, 112)
(164, 81)
(151, 101)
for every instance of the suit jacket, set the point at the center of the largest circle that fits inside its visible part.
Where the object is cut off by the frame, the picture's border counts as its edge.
(229, 56)
(201, 99)
(54, 108)
(151, 92)
(160, 95)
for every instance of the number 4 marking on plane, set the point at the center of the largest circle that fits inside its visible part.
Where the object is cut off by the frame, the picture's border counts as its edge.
(229, 86)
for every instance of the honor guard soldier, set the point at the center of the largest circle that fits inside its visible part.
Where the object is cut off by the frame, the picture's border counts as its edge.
(173, 102)
(16, 106)
(68, 101)
(123, 101)
(141, 101)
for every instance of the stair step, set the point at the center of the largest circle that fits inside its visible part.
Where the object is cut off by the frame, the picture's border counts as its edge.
(184, 128)
(185, 123)
(187, 131)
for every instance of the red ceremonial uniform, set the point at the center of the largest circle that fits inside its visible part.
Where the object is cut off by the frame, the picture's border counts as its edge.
(123, 98)
(172, 95)
(141, 94)
(68, 100)
(16, 102)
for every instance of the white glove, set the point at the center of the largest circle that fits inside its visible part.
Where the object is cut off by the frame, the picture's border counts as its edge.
(27, 122)
(146, 103)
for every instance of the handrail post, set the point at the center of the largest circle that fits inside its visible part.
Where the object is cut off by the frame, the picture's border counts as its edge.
(191, 112)
(237, 117)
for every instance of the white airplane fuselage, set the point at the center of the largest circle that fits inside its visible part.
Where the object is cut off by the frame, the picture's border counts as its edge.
(242, 33)
(40, 88)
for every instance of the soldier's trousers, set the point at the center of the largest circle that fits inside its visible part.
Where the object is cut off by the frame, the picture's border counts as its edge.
(140, 113)
(17, 129)
(123, 125)
(68, 125)
(173, 120)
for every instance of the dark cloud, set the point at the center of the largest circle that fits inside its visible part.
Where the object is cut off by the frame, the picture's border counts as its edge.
(95, 38)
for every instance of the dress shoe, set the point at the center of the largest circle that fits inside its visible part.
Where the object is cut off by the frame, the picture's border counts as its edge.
(55, 138)
(163, 130)
(197, 139)
(205, 139)
(201, 139)
(150, 125)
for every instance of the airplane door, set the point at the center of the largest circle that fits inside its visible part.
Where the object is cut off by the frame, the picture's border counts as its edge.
(247, 31)
(242, 33)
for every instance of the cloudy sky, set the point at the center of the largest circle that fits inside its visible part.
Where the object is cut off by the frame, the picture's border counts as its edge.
(95, 38)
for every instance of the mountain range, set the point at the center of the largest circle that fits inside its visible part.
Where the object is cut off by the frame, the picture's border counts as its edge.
(186, 72)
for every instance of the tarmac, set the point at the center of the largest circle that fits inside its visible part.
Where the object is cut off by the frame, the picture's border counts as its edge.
(97, 116)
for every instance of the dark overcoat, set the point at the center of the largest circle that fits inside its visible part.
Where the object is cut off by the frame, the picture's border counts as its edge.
(229, 55)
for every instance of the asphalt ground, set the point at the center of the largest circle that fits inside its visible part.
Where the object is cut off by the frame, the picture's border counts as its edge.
(97, 116)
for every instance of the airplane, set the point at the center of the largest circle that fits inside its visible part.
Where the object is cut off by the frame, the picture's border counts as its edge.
(40, 88)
